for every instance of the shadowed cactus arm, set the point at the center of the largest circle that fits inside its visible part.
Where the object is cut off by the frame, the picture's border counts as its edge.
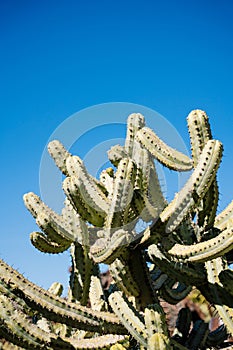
(165, 154)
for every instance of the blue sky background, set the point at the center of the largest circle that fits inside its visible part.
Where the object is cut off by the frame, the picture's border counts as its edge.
(58, 57)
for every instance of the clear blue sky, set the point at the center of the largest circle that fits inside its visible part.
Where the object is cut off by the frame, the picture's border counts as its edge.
(58, 57)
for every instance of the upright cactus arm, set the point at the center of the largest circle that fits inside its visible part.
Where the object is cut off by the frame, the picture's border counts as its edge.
(200, 134)
(225, 218)
(116, 153)
(165, 154)
(135, 122)
(59, 154)
(129, 316)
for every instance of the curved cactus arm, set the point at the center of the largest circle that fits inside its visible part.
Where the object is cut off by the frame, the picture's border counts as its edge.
(83, 208)
(195, 188)
(182, 272)
(135, 122)
(225, 218)
(59, 154)
(116, 153)
(165, 154)
(6, 345)
(43, 244)
(56, 308)
(88, 188)
(204, 251)
(171, 294)
(214, 268)
(122, 194)
(129, 317)
(106, 250)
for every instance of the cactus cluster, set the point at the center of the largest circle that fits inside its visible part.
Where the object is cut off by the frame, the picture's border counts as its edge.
(185, 245)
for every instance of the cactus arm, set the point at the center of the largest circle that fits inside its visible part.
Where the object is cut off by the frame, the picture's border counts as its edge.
(200, 133)
(99, 342)
(18, 329)
(226, 279)
(88, 188)
(225, 217)
(195, 188)
(123, 278)
(168, 156)
(56, 308)
(86, 212)
(106, 250)
(81, 272)
(123, 193)
(96, 295)
(204, 251)
(43, 244)
(156, 328)
(214, 268)
(59, 155)
(116, 153)
(129, 317)
(106, 178)
(135, 122)
(182, 272)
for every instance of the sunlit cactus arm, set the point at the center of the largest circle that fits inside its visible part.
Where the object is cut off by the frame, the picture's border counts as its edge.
(122, 194)
(200, 134)
(116, 153)
(214, 268)
(129, 316)
(156, 327)
(56, 308)
(106, 250)
(86, 212)
(225, 218)
(96, 295)
(59, 154)
(7, 345)
(165, 154)
(88, 189)
(204, 251)
(107, 179)
(195, 188)
(135, 122)
(43, 244)
(106, 342)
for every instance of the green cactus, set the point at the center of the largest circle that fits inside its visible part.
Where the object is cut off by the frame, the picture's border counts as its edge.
(185, 245)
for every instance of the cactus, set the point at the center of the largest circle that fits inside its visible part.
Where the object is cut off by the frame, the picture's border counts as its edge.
(184, 246)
